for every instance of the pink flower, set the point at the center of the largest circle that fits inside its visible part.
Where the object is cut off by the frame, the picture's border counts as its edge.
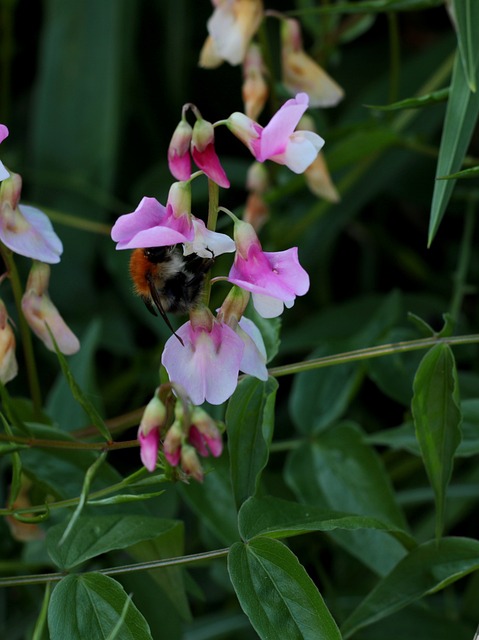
(273, 278)
(207, 365)
(149, 431)
(26, 230)
(3, 134)
(204, 154)
(208, 243)
(279, 141)
(153, 225)
(179, 159)
(39, 311)
(204, 435)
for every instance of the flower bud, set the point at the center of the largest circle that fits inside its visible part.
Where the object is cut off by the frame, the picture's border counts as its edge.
(205, 431)
(255, 89)
(172, 443)
(8, 361)
(179, 160)
(39, 311)
(190, 463)
(204, 154)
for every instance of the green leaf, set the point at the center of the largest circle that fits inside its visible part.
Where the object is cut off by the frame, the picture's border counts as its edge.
(473, 172)
(427, 569)
(276, 593)
(276, 518)
(459, 124)
(339, 471)
(94, 535)
(90, 605)
(437, 419)
(466, 15)
(414, 103)
(250, 424)
(168, 544)
(213, 501)
(377, 6)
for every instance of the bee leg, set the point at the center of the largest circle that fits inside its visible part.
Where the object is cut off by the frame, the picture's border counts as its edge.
(159, 306)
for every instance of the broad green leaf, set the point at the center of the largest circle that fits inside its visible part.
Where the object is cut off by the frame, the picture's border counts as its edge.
(276, 593)
(94, 535)
(437, 419)
(213, 501)
(276, 518)
(250, 424)
(168, 544)
(414, 103)
(428, 568)
(89, 605)
(459, 124)
(466, 19)
(339, 471)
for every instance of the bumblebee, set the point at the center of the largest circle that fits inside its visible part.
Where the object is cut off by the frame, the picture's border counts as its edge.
(167, 281)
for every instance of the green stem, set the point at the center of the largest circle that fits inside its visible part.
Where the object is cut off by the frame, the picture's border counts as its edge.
(27, 344)
(460, 286)
(42, 578)
(370, 352)
(213, 204)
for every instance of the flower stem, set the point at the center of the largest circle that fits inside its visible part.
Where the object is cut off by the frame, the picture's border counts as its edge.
(213, 203)
(27, 344)
(370, 352)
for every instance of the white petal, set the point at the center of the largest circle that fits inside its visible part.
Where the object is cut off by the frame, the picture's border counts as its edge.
(266, 306)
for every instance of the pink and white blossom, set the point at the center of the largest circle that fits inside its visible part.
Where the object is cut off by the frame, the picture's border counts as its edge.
(274, 278)
(208, 362)
(278, 141)
(151, 225)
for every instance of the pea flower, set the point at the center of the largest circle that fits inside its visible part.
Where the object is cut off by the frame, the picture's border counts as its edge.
(153, 225)
(151, 423)
(231, 28)
(301, 73)
(3, 134)
(204, 154)
(39, 311)
(278, 140)
(8, 361)
(273, 278)
(24, 229)
(207, 365)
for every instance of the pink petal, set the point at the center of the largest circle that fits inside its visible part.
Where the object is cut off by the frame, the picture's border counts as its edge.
(208, 243)
(301, 151)
(208, 161)
(29, 232)
(149, 448)
(149, 213)
(254, 355)
(180, 166)
(277, 132)
(207, 365)
(3, 132)
(3, 172)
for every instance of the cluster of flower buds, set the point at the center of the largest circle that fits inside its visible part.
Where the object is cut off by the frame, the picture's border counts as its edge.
(191, 432)
(27, 231)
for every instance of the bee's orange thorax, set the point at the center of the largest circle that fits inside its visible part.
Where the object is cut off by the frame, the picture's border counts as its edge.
(140, 266)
